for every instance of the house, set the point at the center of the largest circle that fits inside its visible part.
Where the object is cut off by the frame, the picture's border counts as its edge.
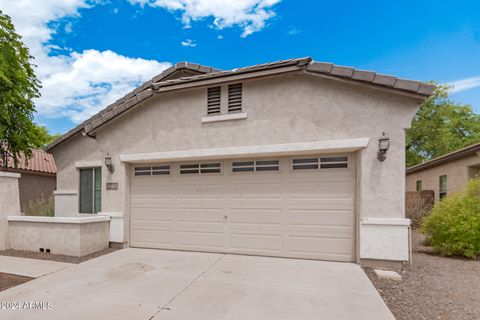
(277, 159)
(38, 176)
(445, 174)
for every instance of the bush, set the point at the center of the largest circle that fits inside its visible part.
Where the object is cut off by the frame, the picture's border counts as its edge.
(453, 227)
(41, 207)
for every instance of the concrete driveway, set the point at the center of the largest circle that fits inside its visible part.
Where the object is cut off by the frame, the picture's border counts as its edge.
(158, 284)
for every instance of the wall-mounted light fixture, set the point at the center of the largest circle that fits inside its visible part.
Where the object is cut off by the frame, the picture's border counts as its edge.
(383, 146)
(109, 163)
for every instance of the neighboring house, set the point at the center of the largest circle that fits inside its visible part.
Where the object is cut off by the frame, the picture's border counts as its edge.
(38, 176)
(445, 174)
(276, 159)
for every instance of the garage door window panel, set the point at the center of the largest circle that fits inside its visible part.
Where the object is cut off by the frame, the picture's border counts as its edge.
(243, 166)
(201, 168)
(152, 170)
(255, 166)
(333, 162)
(299, 164)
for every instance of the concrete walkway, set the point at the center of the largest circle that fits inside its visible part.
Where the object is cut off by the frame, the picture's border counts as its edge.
(33, 268)
(157, 284)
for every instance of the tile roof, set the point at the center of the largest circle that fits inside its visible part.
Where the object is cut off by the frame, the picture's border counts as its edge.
(198, 73)
(40, 161)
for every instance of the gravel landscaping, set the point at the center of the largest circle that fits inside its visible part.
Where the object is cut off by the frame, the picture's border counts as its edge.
(55, 257)
(10, 280)
(433, 288)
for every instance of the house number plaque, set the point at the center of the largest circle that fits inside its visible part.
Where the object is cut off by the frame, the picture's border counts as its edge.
(112, 185)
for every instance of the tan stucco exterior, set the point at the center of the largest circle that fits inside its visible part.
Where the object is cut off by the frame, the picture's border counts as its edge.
(281, 109)
(71, 236)
(458, 172)
(9, 202)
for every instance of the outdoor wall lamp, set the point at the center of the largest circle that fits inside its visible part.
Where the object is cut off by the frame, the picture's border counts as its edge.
(383, 146)
(109, 164)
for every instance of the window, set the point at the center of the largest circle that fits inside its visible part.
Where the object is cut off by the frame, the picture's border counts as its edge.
(418, 185)
(213, 101)
(309, 163)
(90, 190)
(235, 98)
(442, 187)
(322, 163)
(155, 170)
(333, 162)
(201, 168)
(259, 165)
(243, 166)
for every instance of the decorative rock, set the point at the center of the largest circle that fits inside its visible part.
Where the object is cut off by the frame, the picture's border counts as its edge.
(387, 274)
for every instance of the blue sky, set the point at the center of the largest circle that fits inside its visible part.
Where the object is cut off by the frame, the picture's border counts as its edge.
(90, 53)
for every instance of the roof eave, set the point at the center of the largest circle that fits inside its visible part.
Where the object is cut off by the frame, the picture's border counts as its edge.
(459, 154)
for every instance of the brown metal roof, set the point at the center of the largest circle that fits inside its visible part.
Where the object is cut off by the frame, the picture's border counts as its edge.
(40, 161)
(198, 72)
(455, 155)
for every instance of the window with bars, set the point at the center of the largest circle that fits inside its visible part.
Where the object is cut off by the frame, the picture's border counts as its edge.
(201, 168)
(213, 101)
(255, 166)
(319, 163)
(235, 98)
(152, 170)
(90, 190)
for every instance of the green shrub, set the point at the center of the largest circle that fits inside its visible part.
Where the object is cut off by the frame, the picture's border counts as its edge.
(453, 227)
(41, 207)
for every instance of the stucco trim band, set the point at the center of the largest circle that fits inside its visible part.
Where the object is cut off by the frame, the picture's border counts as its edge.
(10, 174)
(72, 220)
(386, 221)
(88, 164)
(325, 146)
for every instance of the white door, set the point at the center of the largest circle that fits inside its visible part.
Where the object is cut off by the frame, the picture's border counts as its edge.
(300, 206)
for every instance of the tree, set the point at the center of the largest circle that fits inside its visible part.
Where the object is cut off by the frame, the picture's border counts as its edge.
(43, 136)
(439, 127)
(18, 87)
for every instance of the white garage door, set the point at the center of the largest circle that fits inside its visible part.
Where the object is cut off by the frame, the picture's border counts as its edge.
(288, 207)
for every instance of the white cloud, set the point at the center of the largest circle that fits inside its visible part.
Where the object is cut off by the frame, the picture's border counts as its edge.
(188, 43)
(75, 85)
(464, 84)
(250, 15)
(293, 31)
(91, 80)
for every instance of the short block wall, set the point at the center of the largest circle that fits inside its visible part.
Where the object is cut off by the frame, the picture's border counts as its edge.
(73, 236)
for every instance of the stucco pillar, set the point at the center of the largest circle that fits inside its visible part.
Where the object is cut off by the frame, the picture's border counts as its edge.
(9, 202)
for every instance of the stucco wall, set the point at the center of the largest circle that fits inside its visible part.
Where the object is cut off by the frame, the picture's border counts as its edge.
(281, 109)
(73, 239)
(33, 186)
(9, 202)
(457, 172)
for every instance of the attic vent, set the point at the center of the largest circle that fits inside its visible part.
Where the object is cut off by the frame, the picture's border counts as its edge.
(213, 101)
(235, 98)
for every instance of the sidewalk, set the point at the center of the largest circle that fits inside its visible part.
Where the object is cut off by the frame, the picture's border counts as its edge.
(30, 267)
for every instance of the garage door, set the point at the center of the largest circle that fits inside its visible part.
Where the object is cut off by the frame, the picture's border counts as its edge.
(299, 207)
